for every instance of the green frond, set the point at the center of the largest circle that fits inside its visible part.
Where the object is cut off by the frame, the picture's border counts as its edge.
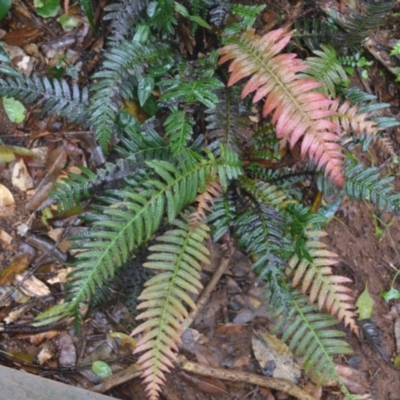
(6, 67)
(367, 184)
(134, 214)
(266, 144)
(52, 96)
(123, 15)
(260, 229)
(311, 335)
(311, 32)
(299, 219)
(325, 68)
(196, 90)
(125, 64)
(143, 143)
(246, 15)
(178, 256)
(227, 121)
(161, 14)
(178, 129)
(219, 12)
(360, 26)
(316, 277)
(72, 190)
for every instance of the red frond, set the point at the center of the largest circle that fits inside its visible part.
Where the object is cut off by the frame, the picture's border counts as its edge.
(316, 278)
(298, 111)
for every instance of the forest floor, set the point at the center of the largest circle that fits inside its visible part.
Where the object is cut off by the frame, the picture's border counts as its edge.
(225, 333)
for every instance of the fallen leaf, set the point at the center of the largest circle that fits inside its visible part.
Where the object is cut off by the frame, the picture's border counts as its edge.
(365, 304)
(205, 356)
(32, 287)
(20, 177)
(354, 380)
(19, 37)
(206, 384)
(61, 276)
(274, 357)
(18, 265)
(229, 329)
(46, 353)
(7, 202)
(5, 237)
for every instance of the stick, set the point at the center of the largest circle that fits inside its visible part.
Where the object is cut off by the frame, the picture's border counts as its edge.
(240, 376)
(205, 296)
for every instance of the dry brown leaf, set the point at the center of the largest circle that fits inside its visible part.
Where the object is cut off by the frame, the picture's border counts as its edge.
(7, 202)
(39, 337)
(46, 353)
(18, 265)
(266, 393)
(19, 37)
(229, 329)
(274, 356)
(32, 287)
(205, 356)
(61, 276)
(20, 177)
(208, 385)
(5, 237)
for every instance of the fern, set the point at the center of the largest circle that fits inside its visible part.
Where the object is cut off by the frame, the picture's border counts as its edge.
(227, 121)
(54, 97)
(367, 184)
(298, 112)
(122, 64)
(358, 27)
(317, 277)
(134, 215)
(123, 15)
(178, 128)
(179, 256)
(325, 68)
(311, 336)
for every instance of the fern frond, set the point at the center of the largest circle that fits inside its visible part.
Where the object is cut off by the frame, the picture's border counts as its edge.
(123, 15)
(179, 257)
(200, 90)
(212, 191)
(351, 121)
(310, 31)
(72, 190)
(178, 128)
(360, 26)
(6, 67)
(260, 228)
(222, 216)
(316, 276)
(227, 121)
(367, 184)
(135, 213)
(311, 336)
(143, 143)
(298, 111)
(325, 68)
(123, 65)
(54, 97)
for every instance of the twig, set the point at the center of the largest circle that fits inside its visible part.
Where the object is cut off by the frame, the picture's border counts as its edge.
(241, 376)
(133, 371)
(205, 296)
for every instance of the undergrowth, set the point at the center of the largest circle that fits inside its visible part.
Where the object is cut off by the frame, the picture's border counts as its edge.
(197, 167)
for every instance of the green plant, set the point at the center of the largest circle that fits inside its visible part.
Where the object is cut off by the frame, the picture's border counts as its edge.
(182, 185)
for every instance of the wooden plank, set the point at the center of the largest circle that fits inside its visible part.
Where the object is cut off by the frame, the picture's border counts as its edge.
(20, 385)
